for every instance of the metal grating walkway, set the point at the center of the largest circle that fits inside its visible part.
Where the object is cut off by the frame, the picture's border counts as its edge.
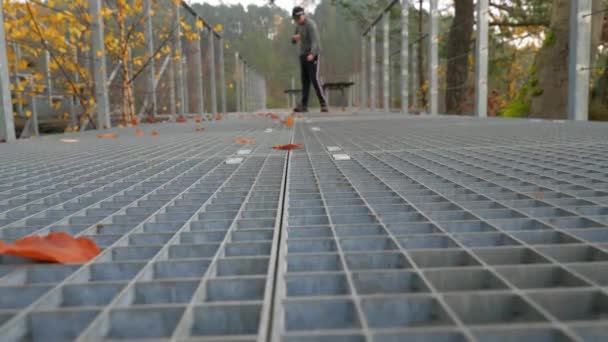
(382, 228)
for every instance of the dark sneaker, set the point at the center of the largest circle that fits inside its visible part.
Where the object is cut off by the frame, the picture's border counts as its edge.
(324, 109)
(300, 109)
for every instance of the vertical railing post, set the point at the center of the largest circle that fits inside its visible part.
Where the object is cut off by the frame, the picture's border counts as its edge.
(414, 74)
(246, 103)
(405, 42)
(222, 75)
(99, 65)
(212, 70)
(185, 80)
(7, 123)
(171, 77)
(181, 91)
(386, 86)
(265, 99)
(350, 92)
(237, 81)
(372, 72)
(363, 102)
(151, 69)
(433, 59)
(73, 116)
(49, 77)
(481, 60)
(579, 59)
(242, 84)
(198, 71)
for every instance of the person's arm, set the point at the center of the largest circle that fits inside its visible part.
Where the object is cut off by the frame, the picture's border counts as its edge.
(315, 45)
(296, 35)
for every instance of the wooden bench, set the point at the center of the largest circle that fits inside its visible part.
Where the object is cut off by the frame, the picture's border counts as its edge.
(342, 87)
(327, 87)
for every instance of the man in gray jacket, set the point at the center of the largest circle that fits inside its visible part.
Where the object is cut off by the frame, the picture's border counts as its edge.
(307, 35)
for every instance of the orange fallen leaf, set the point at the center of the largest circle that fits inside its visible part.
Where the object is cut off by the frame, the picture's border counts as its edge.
(200, 129)
(56, 247)
(244, 141)
(288, 147)
(140, 133)
(154, 133)
(134, 122)
(107, 135)
(289, 122)
(198, 119)
(181, 119)
(218, 116)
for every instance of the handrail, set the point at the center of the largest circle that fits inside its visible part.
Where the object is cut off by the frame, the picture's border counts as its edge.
(196, 15)
(380, 16)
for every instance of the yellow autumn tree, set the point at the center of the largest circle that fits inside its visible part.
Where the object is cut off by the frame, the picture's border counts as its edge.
(57, 33)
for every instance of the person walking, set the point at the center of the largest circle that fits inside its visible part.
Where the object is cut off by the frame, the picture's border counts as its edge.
(307, 35)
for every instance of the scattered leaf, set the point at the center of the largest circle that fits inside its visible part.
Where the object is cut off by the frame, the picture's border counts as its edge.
(181, 119)
(154, 133)
(140, 133)
(200, 129)
(288, 147)
(56, 247)
(289, 122)
(218, 116)
(107, 135)
(244, 141)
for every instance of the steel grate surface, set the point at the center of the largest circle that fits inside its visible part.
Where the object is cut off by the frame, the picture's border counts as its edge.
(434, 229)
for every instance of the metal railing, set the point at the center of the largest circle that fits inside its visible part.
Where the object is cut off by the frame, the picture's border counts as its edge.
(250, 87)
(373, 78)
(174, 64)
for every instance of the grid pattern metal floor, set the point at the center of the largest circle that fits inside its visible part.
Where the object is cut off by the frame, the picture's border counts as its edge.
(382, 228)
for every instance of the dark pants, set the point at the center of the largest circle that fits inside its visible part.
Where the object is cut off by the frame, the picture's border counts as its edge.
(310, 74)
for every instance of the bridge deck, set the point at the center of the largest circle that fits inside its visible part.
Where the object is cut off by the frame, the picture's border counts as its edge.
(381, 228)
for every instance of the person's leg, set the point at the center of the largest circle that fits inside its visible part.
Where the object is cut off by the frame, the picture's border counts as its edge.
(305, 82)
(314, 76)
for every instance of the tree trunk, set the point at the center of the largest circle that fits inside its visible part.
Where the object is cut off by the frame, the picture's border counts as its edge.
(459, 46)
(550, 96)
